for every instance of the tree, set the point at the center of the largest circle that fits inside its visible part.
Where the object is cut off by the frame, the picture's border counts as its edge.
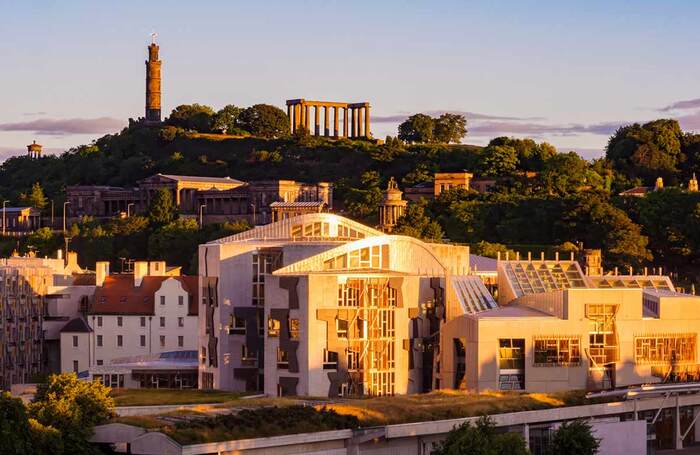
(43, 242)
(647, 151)
(15, 435)
(175, 242)
(418, 128)
(481, 439)
(566, 173)
(450, 128)
(73, 407)
(162, 209)
(416, 223)
(499, 161)
(35, 198)
(195, 117)
(226, 120)
(574, 438)
(363, 201)
(264, 120)
(492, 250)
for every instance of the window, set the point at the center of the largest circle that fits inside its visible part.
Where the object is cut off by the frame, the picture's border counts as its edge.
(353, 359)
(162, 300)
(180, 341)
(294, 329)
(248, 357)
(180, 321)
(143, 341)
(143, 321)
(162, 341)
(162, 321)
(99, 340)
(557, 351)
(120, 341)
(99, 321)
(349, 293)
(237, 326)
(203, 355)
(330, 360)
(341, 327)
(75, 366)
(282, 358)
(273, 327)
(120, 321)
(666, 349)
(511, 354)
(511, 363)
(180, 300)
(75, 341)
(100, 362)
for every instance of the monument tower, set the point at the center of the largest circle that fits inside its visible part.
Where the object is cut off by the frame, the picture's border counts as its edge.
(153, 83)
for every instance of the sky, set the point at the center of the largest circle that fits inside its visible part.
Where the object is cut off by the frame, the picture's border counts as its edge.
(568, 73)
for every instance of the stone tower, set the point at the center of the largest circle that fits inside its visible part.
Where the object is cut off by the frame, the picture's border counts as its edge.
(392, 206)
(593, 262)
(693, 184)
(34, 150)
(153, 84)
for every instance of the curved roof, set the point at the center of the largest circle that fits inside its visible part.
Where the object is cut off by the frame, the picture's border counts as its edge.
(284, 229)
(405, 255)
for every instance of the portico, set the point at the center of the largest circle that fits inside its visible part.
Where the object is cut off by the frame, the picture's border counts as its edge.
(355, 118)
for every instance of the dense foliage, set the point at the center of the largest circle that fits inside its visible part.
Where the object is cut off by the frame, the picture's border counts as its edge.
(574, 438)
(59, 420)
(541, 197)
(481, 439)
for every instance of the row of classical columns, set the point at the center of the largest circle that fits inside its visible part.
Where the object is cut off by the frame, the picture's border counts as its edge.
(355, 119)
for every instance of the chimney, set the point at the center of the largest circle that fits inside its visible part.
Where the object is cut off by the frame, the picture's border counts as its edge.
(140, 270)
(101, 272)
(59, 254)
(72, 260)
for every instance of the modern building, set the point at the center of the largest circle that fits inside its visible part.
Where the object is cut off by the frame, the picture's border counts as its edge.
(37, 297)
(216, 199)
(321, 305)
(558, 329)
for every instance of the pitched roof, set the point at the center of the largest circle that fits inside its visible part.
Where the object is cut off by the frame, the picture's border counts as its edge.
(77, 325)
(118, 295)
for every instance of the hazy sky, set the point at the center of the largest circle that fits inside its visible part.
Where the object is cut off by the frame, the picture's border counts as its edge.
(565, 72)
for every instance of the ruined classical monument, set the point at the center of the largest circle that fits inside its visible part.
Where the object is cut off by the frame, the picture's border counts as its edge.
(153, 83)
(355, 116)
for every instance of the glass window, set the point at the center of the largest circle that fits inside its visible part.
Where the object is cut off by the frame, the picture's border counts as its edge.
(162, 300)
(162, 321)
(180, 300)
(143, 341)
(120, 341)
(557, 351)
(120, 321)
(162, 341)
(341, 327)
(511, 354)
(75, 341)
(99, 340)
(99, 321)
(143, 321)
(294, 329)
(273, 327)
(180, 341)
(180, 321)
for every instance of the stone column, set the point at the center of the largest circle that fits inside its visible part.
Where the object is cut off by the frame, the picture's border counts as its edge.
(345, 122)
(291, 117)
(317, 125)
(297, 116)
(352, 122)
(326, 122)
(335, 121)
(307, 117)
(360, 122)
(367, 130)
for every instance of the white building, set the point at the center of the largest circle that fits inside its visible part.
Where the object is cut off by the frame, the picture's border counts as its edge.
(140, 315)
(321, 305)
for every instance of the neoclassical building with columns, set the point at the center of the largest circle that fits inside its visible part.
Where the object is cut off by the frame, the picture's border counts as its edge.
(355, 118)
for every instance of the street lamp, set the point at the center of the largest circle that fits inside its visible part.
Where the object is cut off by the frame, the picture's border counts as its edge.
(128, 206)
(4, 203)
(64, 216)
(201, 209)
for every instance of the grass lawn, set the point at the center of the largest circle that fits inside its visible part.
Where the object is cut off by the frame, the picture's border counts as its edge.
(368, 411)
(150, 397)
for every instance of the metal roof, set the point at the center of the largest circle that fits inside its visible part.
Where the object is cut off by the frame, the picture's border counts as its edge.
(472, 294)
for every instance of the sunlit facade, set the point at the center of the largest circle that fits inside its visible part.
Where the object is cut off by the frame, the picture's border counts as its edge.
(559, 329)
(321, 305)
